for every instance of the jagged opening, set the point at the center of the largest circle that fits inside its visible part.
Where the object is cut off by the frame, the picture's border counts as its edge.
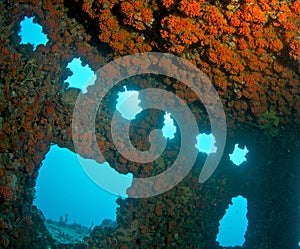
(233, 225)
(82, 76)
(32, 33)
(70, 201)
(238, 155)
(206, 143)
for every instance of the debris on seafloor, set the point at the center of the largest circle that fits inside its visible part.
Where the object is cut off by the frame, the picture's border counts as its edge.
(66, 233)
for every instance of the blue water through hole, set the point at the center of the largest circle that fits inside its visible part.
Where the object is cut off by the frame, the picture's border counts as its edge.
(128, 111)
(238, 155)
(233, 225)
(206, 143)
(169, 129)
(63, 187)
(32, 33)
(82, 76)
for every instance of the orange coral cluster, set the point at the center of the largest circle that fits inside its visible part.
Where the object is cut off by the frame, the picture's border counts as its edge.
(179, 31)
(203, 23)
(136, 15)
(190, 8)
(123, 40)
(167, 3)
(239, 45)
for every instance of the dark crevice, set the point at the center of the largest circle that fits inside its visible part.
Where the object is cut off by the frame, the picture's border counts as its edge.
(91, 26)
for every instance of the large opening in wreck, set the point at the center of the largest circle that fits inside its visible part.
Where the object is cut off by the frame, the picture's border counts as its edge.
(70, 201)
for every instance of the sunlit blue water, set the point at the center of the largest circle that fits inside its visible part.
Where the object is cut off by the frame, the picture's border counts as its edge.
(233, 225)
(82, 77)
(169, 129)
(32, 33)
(206, 143)
(238, 155)
(133, 103)
(63, 188)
